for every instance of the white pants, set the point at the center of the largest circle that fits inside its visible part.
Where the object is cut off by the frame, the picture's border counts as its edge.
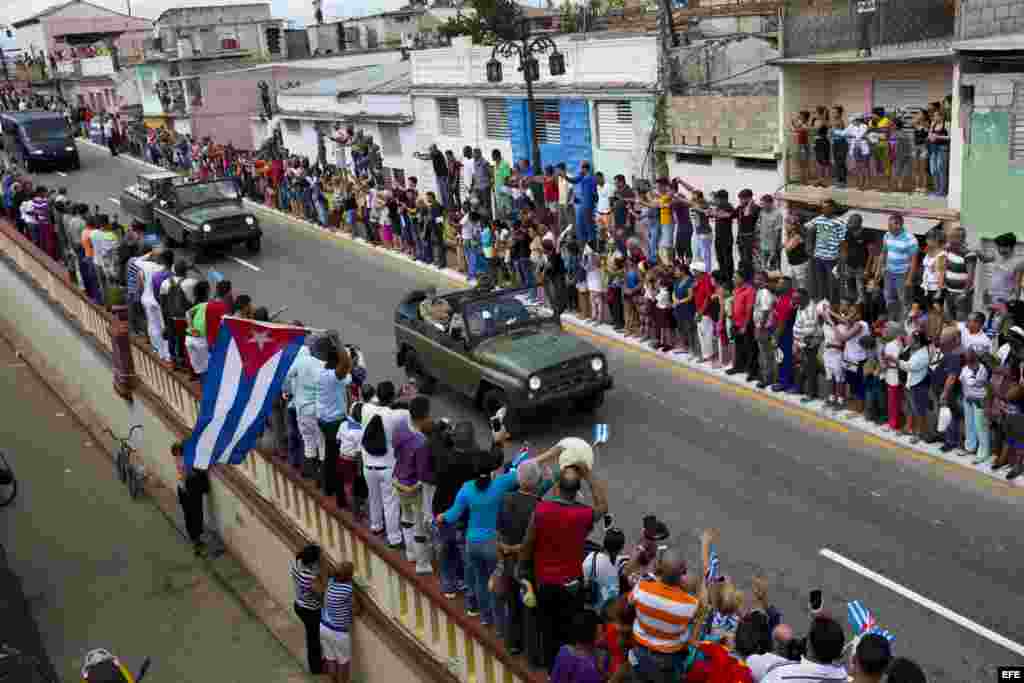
(155, 323)
(383, 500)
(706, 334)
(198, 353)
(312, 437)
(428, 503)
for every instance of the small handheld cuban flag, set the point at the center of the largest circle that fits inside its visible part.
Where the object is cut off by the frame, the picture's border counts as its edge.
(523, 454)
(600, 433)
(862, 621)
(714, 570)
(247, 366)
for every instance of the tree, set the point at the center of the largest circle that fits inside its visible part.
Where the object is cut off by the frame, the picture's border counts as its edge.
(490, 19)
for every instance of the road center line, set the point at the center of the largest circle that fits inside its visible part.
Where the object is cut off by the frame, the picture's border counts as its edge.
(245, 263)
(966, 623)
(114, 200)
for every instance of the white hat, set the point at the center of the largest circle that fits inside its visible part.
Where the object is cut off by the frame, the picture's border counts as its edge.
(699, 265)
(574, 452)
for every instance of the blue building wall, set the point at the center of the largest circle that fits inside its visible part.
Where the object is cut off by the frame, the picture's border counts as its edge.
(574, 126)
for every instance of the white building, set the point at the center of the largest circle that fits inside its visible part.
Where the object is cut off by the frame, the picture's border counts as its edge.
(374, 99)
(601, 110)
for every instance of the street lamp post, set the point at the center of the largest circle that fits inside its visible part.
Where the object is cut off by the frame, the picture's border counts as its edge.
(515, 40)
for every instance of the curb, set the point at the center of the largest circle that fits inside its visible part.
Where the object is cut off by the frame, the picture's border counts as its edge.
(843, 422)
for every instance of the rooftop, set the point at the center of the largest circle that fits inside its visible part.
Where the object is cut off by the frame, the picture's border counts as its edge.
(378, 79)
(56, 8)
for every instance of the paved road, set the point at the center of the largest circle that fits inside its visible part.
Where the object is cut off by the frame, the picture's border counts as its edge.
(781, 487)
(101, 570)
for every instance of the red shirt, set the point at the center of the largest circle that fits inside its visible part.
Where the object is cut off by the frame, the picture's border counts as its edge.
(783, 308)
(703, 291)
(743, 307)
(215, 310)
(551, 190)
(612, 641)
(561, 531)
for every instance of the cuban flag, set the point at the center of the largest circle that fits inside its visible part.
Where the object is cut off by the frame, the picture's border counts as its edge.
(247, 366)
(862, 621)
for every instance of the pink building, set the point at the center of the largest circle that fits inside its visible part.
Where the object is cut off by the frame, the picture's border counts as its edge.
(83, 46)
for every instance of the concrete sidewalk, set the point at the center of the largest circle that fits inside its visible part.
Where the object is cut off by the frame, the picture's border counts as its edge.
(102, 570)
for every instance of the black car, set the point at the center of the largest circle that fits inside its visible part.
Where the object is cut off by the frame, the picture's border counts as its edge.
(205, 216)
(37, 139)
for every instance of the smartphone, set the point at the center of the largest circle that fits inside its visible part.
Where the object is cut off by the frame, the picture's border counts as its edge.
(815, 600)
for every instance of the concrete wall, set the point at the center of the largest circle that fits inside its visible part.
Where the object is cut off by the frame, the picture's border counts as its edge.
(725, 173)
(983, 18)
(749, 123)
(81, 374)
(627, 162)
(993, 183)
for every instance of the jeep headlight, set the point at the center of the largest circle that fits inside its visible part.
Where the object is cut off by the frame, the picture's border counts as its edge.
(207, 227)
(534, 383)
(597, 365)
(249, 220)
(37, 151)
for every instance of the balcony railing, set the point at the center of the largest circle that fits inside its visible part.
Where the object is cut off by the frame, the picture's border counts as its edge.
(866, 27)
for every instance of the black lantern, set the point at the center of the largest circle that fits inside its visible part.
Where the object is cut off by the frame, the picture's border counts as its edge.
(493, 71)
(556, 63)
(531, 69)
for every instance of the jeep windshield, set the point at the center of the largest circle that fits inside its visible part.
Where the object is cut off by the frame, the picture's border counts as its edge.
(42, 130)
(503, 313)
(206, 193)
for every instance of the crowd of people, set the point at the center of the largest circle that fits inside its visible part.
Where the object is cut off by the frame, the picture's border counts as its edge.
(823, 307)
(902, 151)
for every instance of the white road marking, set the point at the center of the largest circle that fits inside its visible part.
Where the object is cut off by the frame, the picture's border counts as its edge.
(62, 174)
(244, 263)
(966, 623)
(114, 200)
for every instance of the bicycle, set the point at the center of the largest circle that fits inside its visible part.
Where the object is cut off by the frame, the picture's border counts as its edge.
(131, 473)
(8, 482)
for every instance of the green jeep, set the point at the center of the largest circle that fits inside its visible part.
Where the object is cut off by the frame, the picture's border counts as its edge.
(499, 349)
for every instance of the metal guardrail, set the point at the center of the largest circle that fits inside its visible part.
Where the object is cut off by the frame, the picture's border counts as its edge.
(822, 26)
(469, 651)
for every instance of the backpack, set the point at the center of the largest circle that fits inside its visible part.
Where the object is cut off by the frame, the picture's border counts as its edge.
(375, 439)
(175, 304)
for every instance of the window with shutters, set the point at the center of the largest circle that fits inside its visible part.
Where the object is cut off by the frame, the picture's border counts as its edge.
(1017, 125)
(549, 122)
(902, 95)
(615, 125)
(496, 119)
(292, 125)
(448, 116)
(390, 143)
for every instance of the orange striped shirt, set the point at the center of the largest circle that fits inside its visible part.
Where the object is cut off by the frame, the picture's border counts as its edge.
(663, 615)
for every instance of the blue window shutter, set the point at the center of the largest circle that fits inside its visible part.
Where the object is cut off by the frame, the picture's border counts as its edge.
(518, 126)
(575, 129)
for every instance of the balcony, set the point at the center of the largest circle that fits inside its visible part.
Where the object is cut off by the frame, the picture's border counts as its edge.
(867, 28)
(31, 73)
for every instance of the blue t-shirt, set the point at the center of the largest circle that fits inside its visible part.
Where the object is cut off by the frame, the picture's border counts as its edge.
(586, 192)
(632, 279)
(483, 506)
(684, 311)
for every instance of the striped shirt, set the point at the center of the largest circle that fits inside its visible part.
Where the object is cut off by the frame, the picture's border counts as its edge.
(337, 611)
(663, 615)
(900, 251)
(829, 234)
(957, 272)
(304, 576)
(133, 278)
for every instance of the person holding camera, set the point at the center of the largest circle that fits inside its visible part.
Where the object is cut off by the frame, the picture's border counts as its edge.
(553, 551)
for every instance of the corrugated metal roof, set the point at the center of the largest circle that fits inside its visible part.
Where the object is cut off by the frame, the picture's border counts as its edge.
(379, 78)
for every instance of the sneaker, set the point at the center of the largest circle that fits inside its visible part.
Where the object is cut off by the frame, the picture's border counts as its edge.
(807, 399)
(1014, 473)
(762, 385)
(946, 448)
(472, 612)
(982, 459)
(733, 371)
